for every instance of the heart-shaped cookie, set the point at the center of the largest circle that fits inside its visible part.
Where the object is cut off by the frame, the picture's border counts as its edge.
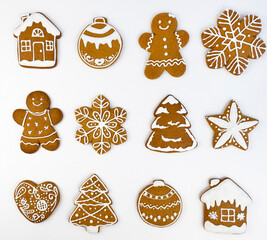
(36, 202)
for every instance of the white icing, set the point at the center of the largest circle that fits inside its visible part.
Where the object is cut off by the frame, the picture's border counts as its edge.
(214, 182)
(37, 17)
(37, 63)
(155, 125)
(226, 190)
(92, 229)
(223, 229)
(170, 15)
(165, 63)
(171, 100)
(161, 110)
(158, 183)
(102, 40)
(169, 149)
(171, 139)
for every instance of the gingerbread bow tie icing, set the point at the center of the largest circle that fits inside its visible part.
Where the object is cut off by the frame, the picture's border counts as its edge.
(159, 204)
(99, 44)
(37, 41)
(36, 202)
(101, 125)
(38, 123)
(233, 42)
(164, 44)
(93, 206)
(225, 207)
(231, 128)
(170, 129)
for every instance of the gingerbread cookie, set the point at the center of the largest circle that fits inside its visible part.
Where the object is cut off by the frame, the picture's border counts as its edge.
(170, 129)
(233, 42)
(36, 202)
(93, 208)
(231, 128)
(164, 44)
(37, 41)
(99, 44)
(38, 123)
(159, 204)
(101, 125)
(225, 207)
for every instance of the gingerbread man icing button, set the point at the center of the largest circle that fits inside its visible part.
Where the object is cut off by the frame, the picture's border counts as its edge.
(38, 123)
(164, 44)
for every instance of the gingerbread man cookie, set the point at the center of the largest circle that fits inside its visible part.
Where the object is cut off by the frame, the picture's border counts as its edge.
(164, 44)
(38, 123)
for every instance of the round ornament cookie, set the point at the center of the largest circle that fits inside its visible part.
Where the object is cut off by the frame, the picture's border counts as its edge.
(36, 202)
(159, 204)
(99, 44)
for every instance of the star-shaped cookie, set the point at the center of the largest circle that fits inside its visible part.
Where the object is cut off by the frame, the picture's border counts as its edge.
(231, 128)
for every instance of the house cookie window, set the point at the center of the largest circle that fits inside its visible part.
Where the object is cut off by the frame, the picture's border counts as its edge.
(25, 45)
(227, 215)
(37, 32)
(49, 45)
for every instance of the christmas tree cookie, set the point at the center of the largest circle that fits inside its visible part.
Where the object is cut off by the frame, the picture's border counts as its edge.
(93, 206)
(233, 41)
(225, 207)
(38, 123)
(159, 204)
(36, 202)
(164, 45)
(99, 44)
(170, 129)
(231, 128)
(101, 125)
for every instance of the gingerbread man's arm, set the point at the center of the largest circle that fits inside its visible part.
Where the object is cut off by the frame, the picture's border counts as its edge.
(19, 115)
(56, 115)
(145, 41)
(183, 37)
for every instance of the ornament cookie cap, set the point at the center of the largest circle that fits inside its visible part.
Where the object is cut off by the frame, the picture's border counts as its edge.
(225, 207)
(36, 202)
(99, 44)
(159, 204)
(233, 42)
(231, 128)
(37, 41)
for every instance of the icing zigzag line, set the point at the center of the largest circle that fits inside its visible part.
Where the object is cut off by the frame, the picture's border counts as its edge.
(50, 142)
(150, 41)
(165, 63)
(29, 143)
(160, 207)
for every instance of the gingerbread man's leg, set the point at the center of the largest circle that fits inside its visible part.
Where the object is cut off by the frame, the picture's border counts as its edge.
(177, 69)
(50, 143)
(153, 72)
(28, 145)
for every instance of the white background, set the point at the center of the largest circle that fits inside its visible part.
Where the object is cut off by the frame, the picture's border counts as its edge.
(129, 167)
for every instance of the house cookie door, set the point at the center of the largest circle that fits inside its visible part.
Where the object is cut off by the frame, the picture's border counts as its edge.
(38, 51)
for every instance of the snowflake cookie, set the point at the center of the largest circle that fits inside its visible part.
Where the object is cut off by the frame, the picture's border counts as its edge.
(231, 128)
(36, 202)
(233, 42)
(164, 44)
(101, 125)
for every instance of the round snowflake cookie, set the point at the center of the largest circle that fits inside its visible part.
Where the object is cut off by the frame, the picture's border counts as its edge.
(159, 204)
(99, 44)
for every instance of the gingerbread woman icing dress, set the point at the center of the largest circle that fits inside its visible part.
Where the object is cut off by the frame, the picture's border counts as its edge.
(38, 129)
(164, 44)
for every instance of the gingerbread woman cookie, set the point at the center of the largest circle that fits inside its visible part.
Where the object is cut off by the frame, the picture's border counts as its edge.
(164, 44)
(38, 123)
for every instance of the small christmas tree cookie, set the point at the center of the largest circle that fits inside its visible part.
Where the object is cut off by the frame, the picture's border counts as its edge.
(93, 208)
(170, 129)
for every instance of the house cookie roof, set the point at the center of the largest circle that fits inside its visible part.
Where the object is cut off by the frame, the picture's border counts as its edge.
(37, 17)
(225, 190)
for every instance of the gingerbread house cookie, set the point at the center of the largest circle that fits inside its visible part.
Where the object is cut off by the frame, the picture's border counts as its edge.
(37, 41)
(225, 207)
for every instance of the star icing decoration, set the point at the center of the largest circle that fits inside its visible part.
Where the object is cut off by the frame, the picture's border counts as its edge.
(101, 125)
(233, 41)
(231, 128)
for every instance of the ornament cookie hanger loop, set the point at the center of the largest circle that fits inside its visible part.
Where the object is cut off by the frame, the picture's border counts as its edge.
(100, 20)
(158, 183)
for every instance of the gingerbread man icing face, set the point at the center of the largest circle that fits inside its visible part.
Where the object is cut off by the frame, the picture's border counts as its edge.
(38, 101)
(164, 23)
